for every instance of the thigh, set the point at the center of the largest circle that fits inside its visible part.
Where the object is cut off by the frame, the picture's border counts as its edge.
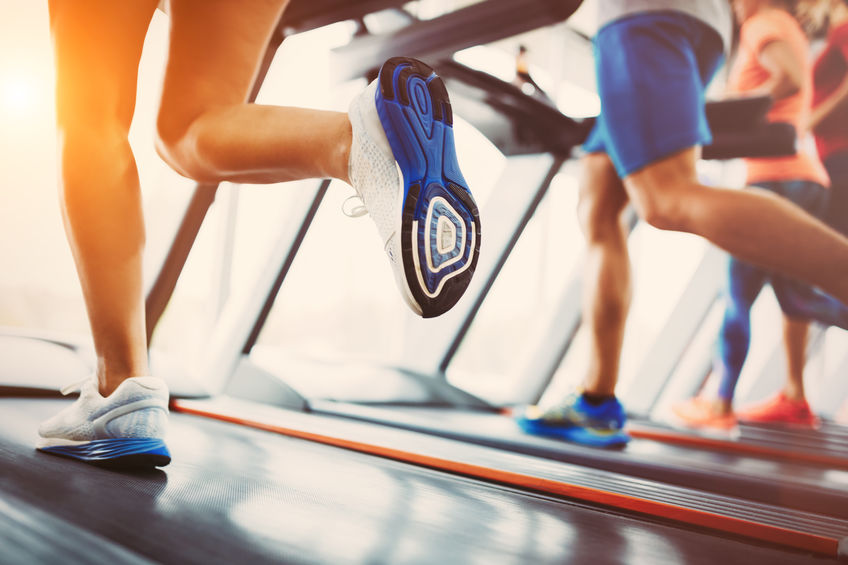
(651, 74)
(97, 46)
(215, 51)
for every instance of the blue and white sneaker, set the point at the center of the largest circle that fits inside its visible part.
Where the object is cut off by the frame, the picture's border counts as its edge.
(578, 421)
(125, 429)
(403, 167)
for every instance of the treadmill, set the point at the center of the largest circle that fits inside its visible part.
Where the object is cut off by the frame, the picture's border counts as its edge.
(248, 464)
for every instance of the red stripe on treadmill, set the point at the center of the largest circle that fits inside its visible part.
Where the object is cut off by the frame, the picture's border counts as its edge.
(732, 446)
(755, 530)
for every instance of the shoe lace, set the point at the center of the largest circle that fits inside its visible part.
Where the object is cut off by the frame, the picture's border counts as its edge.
(74, 387)
(561, 410)
(356, 210)
(565, 411)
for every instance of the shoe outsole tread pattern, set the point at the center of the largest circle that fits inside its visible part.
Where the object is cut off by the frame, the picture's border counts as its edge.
(440, 222)
(120, 453)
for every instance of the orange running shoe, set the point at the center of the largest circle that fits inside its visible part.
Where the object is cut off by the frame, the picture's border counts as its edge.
(700, 412)
(780, 410)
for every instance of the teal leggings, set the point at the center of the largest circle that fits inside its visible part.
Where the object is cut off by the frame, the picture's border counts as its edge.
(745, 281)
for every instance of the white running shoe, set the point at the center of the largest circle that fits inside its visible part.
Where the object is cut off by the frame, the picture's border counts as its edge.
(125, 429)
(403, 167)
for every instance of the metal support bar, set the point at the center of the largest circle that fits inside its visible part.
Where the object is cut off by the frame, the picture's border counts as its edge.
(241, 321)
(515, 122)
(304, 15)
(501, 261)
(432, 345)
(693, 371)
(285, 265)
(680, 328)
(562, 325)
(223, 265)
(166, 280)
(834, 389)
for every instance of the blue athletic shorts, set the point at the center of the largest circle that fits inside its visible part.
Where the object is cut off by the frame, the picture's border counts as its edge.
(652, 70)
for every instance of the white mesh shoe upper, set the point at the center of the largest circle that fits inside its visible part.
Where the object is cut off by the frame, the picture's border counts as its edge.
(138, 408)
(377, 180)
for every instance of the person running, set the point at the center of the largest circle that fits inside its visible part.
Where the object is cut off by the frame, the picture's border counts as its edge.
(772, 60)
(394, 146)
(653, 61)
(828, 122)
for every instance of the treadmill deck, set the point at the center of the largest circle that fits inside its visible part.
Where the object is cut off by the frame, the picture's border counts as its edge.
(234, 493)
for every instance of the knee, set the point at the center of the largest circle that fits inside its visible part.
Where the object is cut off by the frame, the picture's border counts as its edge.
(663, 207)
(602, 200)
(737, 318)
(168, 136)
(797, 302)
(172, 140)
(735, 332)
(91, 143)
(600, 216)
(92, 133)
(86, 117)
(737, 313)
(191, 149)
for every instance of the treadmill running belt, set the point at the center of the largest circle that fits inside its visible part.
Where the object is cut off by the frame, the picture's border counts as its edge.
(234, 494)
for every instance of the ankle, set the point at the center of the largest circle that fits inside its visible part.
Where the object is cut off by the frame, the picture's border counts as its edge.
(106, 388)
(343, 148)
(794, 394)
(722, 407)
(109, 381)
(597, 398)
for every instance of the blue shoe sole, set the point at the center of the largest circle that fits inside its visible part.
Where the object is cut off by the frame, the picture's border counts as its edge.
(574, 434)
(123, 453)
(440, 223)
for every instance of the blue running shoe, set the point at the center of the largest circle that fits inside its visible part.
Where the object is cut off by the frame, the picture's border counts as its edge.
(578, 421)
(123, 430)
(403, 166)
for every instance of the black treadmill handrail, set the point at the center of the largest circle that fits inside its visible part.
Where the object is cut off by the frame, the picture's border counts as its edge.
(542, 125)
(441, 37)
(306, 15)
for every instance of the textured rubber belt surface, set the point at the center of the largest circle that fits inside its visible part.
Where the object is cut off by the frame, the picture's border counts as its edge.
(793, 484)
(822, 452)
(795, 529)
(239, 495)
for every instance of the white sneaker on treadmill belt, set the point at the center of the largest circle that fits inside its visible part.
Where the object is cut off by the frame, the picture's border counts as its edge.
(125, 429)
